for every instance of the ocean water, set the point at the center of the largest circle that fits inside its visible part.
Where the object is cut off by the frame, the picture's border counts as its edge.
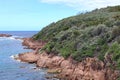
(11, 69)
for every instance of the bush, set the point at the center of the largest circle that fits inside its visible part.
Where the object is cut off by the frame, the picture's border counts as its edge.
(114, 50)
(65, 52)
(114, 9)
(103, 50)
(84, 52)
(100, 29)
(115, 31)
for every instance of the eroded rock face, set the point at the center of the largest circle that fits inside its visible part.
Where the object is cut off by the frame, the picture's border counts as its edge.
(29, 57)
(31, 44)
(5, 35)
(43, 59)
(88, 69)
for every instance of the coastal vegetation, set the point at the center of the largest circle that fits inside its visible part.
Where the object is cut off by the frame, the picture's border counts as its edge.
(90, 34)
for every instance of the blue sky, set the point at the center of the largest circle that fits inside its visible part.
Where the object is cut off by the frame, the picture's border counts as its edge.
(33, 15)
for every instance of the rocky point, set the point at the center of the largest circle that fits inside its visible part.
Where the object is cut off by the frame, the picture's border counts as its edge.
(68, 69)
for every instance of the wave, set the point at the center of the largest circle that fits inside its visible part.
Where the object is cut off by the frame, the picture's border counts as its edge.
(15, 57)
(11, 38)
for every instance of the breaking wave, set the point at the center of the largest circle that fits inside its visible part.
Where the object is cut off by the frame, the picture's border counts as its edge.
(11, 38)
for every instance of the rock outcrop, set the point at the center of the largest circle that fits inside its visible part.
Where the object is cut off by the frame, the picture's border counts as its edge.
(5, 35)
(29, 57)
(32, 44)
(68, 69)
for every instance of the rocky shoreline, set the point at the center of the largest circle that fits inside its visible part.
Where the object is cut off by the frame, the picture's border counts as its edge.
(5, 35)
(68, 69)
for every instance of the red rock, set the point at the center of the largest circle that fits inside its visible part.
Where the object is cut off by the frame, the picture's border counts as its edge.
(31, 44)
(28, 57)
(5, 35)
(88, 69)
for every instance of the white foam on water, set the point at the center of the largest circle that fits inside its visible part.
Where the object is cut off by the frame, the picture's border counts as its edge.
(11, 38)
(15, 57)
(12, 56)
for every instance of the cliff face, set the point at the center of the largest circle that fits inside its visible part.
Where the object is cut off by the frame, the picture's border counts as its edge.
(88, 69)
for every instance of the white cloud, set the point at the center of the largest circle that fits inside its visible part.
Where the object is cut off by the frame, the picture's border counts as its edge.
(84, 4)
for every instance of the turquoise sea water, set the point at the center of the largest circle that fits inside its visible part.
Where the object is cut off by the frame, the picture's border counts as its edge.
(11, 69)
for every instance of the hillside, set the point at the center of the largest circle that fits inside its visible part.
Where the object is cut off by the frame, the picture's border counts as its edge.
(92, 34)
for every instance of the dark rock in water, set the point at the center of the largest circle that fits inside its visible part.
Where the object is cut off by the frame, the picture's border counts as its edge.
(22, 66)
(49, 77)
(5, 35)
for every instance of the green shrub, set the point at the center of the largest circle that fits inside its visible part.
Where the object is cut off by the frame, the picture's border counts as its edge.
(114, 9)
(118, 78)
(76, 32)
(84, 52)
(48, 47)
(65, 52)
(103, 50)
(115, 31)
(114, 50)
(100, 29)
